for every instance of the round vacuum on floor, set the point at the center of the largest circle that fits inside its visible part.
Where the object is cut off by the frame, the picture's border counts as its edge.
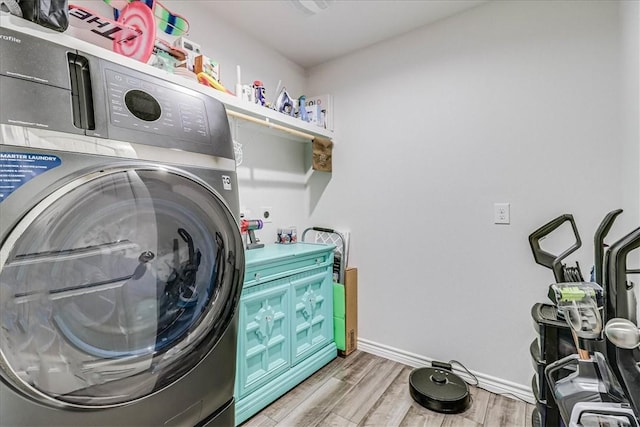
(439, 390)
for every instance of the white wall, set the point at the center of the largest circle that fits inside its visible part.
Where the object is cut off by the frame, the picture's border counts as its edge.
(516, 102)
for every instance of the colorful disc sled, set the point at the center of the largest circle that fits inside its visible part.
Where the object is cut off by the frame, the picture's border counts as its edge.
(94, 28)
(167, 21)
(138, 16)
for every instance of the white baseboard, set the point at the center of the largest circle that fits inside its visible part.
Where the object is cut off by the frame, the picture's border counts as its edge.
(486, 382)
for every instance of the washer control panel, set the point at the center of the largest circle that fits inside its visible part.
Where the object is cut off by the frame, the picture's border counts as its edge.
(142, 105)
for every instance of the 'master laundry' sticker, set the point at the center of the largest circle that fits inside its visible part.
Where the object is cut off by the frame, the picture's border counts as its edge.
(16, 169)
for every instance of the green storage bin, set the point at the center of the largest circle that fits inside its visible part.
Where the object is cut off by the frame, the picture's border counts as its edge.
(339, 333)
(339, 302)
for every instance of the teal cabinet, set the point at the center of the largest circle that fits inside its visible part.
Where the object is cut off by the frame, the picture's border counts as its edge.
(285, 328)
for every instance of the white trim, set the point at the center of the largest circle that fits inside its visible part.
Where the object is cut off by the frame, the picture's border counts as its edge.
(486, 382)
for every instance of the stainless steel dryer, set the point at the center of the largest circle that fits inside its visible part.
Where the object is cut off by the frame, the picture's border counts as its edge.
(121, 261)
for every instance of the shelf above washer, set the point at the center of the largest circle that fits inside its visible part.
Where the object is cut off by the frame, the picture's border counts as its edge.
(263, 116)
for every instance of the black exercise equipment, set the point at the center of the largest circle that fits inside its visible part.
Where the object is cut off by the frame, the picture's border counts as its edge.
(621, 303)
(621, 392)
(561, 272)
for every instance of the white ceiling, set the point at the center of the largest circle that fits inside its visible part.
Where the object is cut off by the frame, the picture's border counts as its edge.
(343, 27)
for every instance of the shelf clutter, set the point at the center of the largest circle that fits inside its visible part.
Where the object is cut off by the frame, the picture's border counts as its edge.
(241, 109)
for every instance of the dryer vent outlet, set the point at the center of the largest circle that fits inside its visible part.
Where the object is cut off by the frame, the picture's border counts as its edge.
(266, 214)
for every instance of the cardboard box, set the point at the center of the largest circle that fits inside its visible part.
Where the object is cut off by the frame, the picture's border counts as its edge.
(351, 309)
(346, 314)
(322, 155)
(204, 64)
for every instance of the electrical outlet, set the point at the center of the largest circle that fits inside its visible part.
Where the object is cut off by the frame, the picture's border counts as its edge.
(501, 213)
(266, 214)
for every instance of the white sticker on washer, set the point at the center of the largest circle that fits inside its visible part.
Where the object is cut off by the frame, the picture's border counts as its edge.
(226, 182)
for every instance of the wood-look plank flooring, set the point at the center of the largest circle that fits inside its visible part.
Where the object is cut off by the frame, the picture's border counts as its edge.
(367, 390)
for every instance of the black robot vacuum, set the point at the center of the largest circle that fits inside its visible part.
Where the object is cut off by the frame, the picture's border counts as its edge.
(439, 389)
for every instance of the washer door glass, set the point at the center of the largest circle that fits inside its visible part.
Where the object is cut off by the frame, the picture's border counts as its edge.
(116, 285)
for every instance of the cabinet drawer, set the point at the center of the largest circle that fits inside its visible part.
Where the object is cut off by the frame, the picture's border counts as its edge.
(255, 274)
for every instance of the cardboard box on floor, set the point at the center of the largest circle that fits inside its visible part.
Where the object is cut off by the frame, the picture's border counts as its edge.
(351, 311)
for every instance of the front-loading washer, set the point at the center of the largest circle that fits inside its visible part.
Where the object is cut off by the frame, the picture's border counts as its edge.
(121, 261)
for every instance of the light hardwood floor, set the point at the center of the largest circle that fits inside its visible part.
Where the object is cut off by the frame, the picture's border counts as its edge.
(367, 390)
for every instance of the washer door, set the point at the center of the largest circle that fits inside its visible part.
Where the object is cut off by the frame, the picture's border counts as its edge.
(116, 285)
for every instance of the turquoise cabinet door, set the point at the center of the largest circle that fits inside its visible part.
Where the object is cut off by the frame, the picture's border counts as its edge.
(312, 312)
(264, 350)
